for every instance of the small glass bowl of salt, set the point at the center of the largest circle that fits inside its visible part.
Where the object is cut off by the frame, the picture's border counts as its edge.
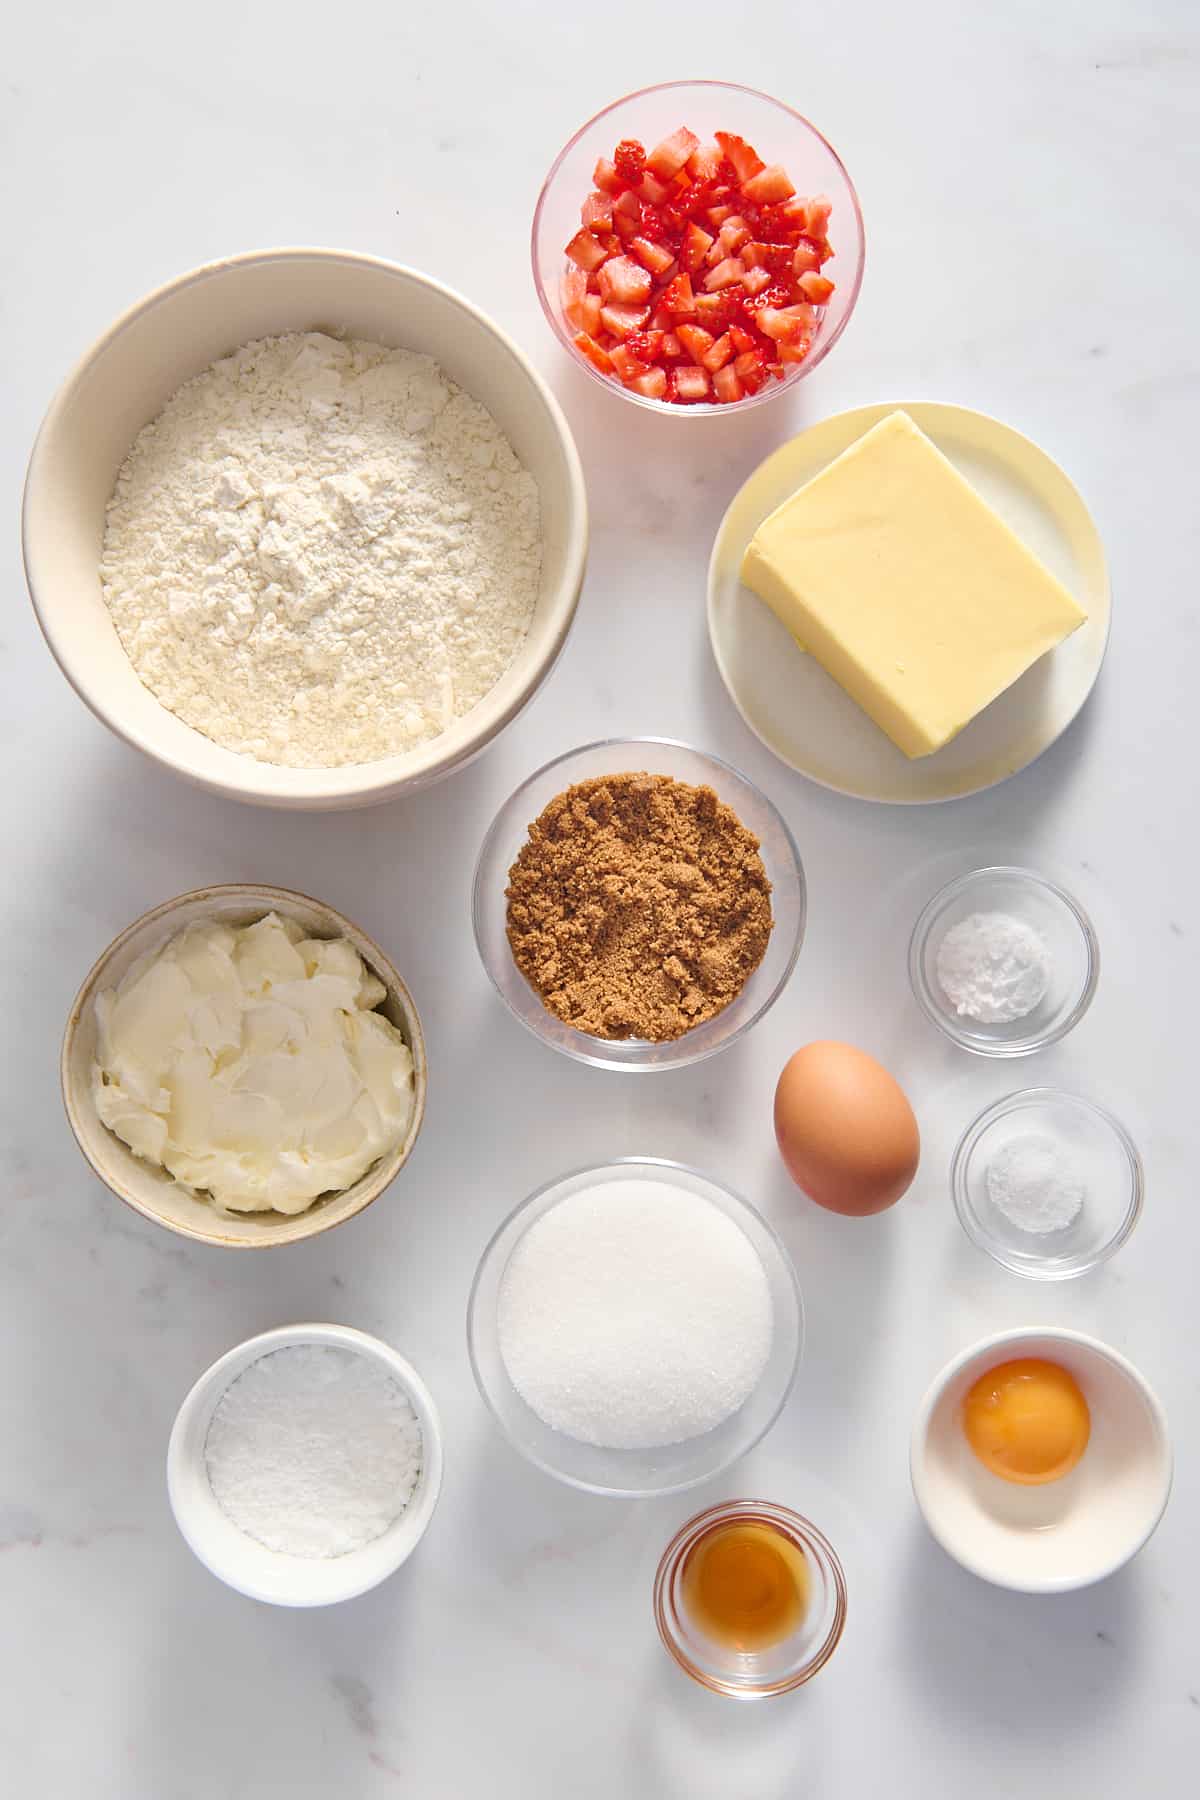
(1004, 961)
(1048, 1183)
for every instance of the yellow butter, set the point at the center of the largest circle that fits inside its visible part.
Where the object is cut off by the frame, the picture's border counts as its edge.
(906, 586)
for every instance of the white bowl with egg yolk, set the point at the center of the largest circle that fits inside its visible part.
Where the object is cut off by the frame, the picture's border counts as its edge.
(1065, 1534)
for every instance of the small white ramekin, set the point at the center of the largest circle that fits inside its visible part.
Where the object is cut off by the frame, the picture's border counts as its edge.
(1066, 1534)
(248, 1566)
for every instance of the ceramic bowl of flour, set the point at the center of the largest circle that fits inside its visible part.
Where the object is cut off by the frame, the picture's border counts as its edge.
(151, 1190)
(318, 645)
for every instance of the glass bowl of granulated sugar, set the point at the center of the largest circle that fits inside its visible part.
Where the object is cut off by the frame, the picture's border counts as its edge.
(635, 1328)
(638, 904)
(1004, 961)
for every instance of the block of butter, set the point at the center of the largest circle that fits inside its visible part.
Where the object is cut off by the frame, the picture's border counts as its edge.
(906, 586)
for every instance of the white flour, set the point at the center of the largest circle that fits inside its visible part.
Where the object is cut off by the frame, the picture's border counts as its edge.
(321, 552)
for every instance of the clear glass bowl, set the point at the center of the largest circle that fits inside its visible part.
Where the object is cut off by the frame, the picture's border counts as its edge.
(1096, 1150)
(657, 756)
(786, 1665)
(635, 1474)
(777, 132)
(1050, 910)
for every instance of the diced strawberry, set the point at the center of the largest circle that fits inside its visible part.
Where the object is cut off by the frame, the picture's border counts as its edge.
(621, 320)
(755, 280)
(654, 257)
(629, 160)
(653, 190)
(627, 206)
(784, 327)
(597, 212)
(626, 228)
(734, 233)
(647, 346)
(769, 186)
(666, 159)
(671, 346)
(718, 354)
(605, 177)
(805, 258)
(661, 320)
(741, 340)
(744, 157)
(717, 215)
(586, 251)
(573, 291)
(689, 384)
(627, 363)
(704, 164)
(599, 358)
(749, 363)
(653, 384)
(724, 275)
(590, 314)
(696, 341)
(794, 353)
(816, 214)
(695, 247)
(624, 281)
(776, 294)
(678, 297)
(727, 385)
(713, 310)
(817, 287)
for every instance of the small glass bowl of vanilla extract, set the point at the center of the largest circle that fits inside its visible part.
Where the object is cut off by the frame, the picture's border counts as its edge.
(750, 1599)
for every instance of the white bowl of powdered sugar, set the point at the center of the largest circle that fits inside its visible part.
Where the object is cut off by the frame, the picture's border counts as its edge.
(305, 527)
(304, 1466)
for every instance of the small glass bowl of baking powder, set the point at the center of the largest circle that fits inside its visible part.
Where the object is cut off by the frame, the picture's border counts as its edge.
(1048, 1183)
(1004, 961)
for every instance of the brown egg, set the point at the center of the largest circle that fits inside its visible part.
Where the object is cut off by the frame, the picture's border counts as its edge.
(845, 1129)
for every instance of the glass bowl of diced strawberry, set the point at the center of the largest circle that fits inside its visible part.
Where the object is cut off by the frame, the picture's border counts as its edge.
(698, 265)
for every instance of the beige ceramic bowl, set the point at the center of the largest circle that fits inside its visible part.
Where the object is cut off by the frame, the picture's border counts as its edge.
(152, 1191)
(124, 381)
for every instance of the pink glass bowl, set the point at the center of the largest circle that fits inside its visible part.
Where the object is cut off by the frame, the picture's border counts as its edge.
(777, 132)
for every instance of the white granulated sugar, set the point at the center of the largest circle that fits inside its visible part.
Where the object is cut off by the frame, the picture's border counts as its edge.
(634, 1315)
(313, 1451)
(993, 968)
(1030, 1182)
(321, 551)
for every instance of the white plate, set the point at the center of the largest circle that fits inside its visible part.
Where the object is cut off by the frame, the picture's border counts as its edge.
(801, 713)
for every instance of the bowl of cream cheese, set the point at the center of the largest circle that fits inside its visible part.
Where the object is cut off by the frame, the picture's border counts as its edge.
(244, 1066)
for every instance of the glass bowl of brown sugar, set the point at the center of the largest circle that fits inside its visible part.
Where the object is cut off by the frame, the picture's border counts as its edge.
(638, 904)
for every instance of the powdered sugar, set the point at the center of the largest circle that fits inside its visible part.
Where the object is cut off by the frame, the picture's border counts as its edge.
(322, 551)
(313, 1450)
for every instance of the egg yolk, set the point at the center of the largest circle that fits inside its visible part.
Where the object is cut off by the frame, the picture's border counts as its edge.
(1027, 1421)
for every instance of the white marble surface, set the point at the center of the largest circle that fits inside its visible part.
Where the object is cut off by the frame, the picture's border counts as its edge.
(1028, 174)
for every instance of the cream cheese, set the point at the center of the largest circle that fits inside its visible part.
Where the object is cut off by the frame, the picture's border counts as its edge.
(249, 1062)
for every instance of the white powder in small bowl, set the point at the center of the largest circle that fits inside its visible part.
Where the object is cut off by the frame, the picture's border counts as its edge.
(1031, 1183)
(313, 1450)
(633, 1315)
(993, 968)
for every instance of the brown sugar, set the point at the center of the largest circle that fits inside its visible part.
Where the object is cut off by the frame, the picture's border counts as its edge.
(639, 906)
